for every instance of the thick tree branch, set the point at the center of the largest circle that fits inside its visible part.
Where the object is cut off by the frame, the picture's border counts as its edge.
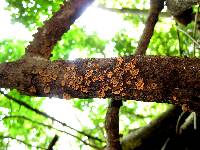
(153, 135)
(155, 8)
(21, 103)
(145, 78)
(48, 35)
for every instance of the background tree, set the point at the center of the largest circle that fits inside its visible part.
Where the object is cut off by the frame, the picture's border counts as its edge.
(21, 114)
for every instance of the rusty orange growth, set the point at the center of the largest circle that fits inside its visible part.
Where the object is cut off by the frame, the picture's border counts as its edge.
(119, 61)
(108, 80)
(134, 72)
(106, 87)
(63, 83)
(115, 81)
(101, 93)
(88, 73)
(66, 96)
(185, 108)
(118, 89)
(174, 98)
(32, 89)
(47, 76)
(46, 89)
(109, 75)
(154, 86)
(128, 82)
(139, 84)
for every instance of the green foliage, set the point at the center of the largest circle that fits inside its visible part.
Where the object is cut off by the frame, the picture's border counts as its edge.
(161, 45)
(82, 104)
(96, 111)
(15, 124)
(124, 45)
(76, 38)
(32, 13)
(140, 4)
(11, 50)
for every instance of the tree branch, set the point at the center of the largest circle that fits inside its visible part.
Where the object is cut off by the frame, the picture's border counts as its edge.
(144, 78)
(155, 8)
(112, 125)
(153, 135)
(48, 35)
(53, 142)
(47, 116)
(177, 7)
(21, 141)
(51, 127)
(132, 11)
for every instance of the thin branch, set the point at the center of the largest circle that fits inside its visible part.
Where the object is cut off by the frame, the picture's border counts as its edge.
(112, 125)
(21, 141)
(189, 36)
(53, 142)
(47, 116)
(51, 127)
(181, 120)
(155, 8)
(195, 30)
(131, 11)
(179, 41)
(52, 30)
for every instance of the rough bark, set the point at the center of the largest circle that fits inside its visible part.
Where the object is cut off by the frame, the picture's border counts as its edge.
(52, 30)
(177, 7)
(112, 126)
(154, 135)
(155, 8)
(145, 78)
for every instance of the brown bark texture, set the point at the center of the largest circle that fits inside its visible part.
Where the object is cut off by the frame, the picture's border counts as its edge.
(52, 30)
(177, 7)
(146, 78)
(112, 125)
(155, 8)
(154, 135)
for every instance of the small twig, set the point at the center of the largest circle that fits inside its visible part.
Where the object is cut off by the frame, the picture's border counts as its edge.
(47, 116)
(112, 125)
(188, 36)
(21, 141)
(53, 142)
(179, 41)
(195, 120)
(195, 30)
(181, 120)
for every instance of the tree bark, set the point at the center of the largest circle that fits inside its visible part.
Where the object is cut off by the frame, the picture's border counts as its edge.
(145, 78)
(52, 30)
(154, 135)
(177, 7)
